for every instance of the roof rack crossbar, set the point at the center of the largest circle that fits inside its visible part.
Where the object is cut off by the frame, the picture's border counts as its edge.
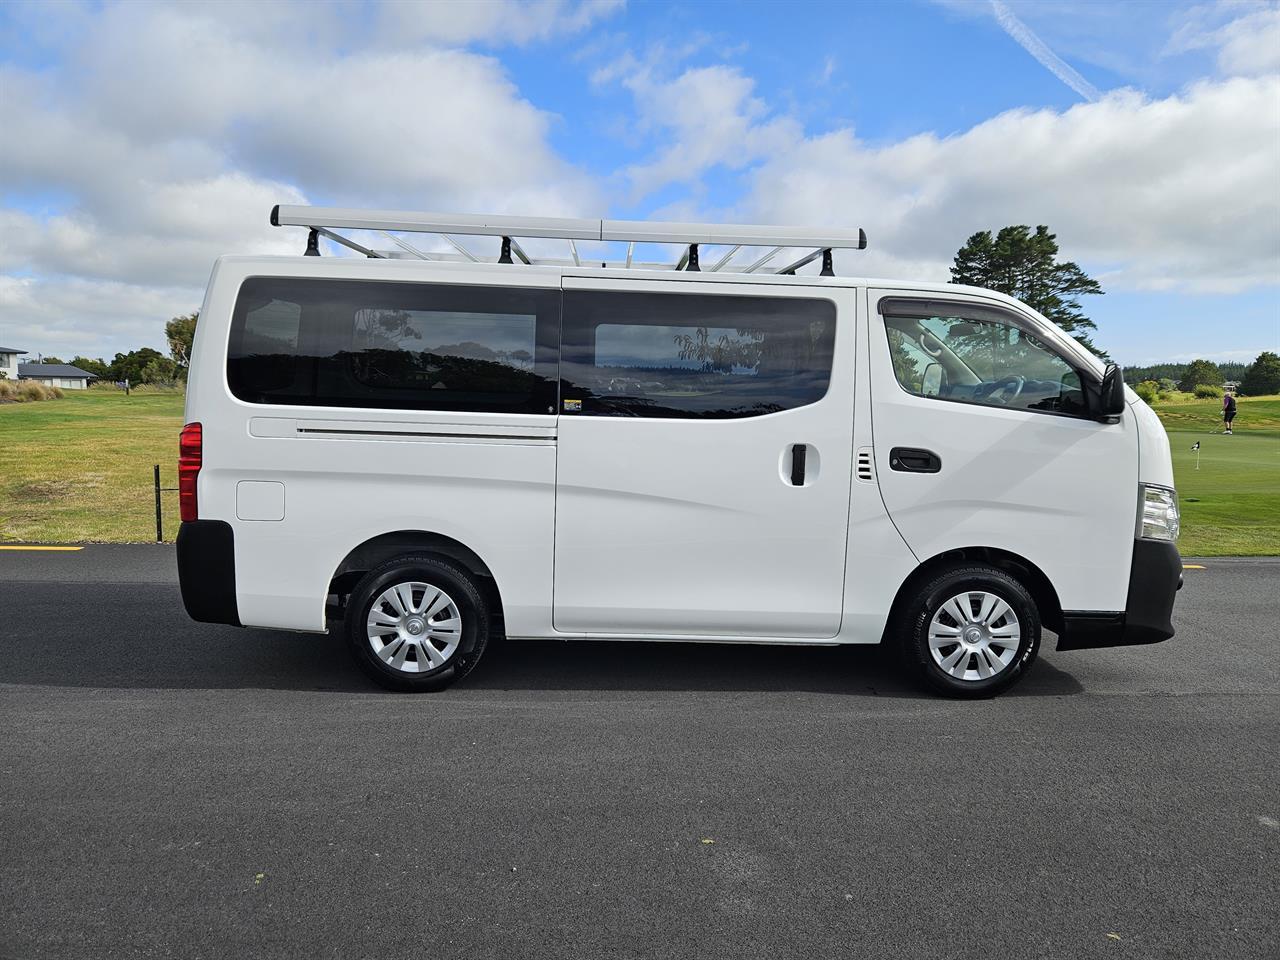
(727, 257)
(459, 247)
(519, 251)
(410, 248)
(762, 261)
(792, 267)
(351, 244)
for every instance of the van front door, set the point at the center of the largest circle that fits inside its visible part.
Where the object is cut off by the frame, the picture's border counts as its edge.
(983, 439)
(702, 484)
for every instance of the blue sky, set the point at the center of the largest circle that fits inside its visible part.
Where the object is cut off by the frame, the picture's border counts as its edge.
(146, 139)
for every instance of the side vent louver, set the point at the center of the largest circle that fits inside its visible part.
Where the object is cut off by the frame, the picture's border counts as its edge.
(865, 468)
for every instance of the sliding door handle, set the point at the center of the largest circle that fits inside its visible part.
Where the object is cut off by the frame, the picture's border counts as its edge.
(914, 460)
(799, 454)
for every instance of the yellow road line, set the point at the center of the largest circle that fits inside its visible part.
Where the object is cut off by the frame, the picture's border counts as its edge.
(5, 547)
(1192, 566)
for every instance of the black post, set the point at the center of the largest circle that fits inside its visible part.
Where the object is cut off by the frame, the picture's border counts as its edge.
(159, 520)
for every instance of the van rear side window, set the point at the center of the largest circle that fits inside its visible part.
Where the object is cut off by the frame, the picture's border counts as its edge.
(411, 346)
(694, 356)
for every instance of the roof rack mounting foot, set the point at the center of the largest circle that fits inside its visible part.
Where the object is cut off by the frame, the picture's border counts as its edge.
(313, 243)
(692, 265)
(505, 256)
(827, 269)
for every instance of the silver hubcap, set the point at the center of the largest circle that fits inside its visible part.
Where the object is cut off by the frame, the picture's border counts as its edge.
(414, 627)
(974, 636)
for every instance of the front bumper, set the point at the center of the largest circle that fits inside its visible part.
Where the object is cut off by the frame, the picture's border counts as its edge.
(1155, 577)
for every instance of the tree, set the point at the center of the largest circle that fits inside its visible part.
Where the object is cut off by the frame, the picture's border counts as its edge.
(1025, 265)
(98, 368)
(129, 366)
(180, 332)
(1263, 375)
(52, 360)
(160, 370)
(1200, 372)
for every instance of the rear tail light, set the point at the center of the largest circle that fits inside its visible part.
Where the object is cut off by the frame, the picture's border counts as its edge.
(190, 453)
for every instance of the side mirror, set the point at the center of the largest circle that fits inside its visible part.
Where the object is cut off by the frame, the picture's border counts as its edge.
(931, 382)
(1111, 402)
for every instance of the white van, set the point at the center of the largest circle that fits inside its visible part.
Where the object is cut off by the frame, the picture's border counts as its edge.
(438, 449)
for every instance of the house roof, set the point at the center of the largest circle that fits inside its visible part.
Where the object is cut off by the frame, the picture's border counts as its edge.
(65, 370)
(11, 350)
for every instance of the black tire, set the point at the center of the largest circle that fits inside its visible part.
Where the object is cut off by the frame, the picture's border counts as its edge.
(918, 612)
(461, 587)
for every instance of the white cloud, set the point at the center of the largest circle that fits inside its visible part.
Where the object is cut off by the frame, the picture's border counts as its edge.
(1174, 193)
(705, 117)
(167, 132)
(1246, 43)
(464, 21)
(52, 317)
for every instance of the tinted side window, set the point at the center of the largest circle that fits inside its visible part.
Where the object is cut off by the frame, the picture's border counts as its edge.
(693, 356)
(981, 360)
(412, 346)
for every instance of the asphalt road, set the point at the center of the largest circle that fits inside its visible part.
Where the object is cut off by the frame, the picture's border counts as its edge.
(176, 789)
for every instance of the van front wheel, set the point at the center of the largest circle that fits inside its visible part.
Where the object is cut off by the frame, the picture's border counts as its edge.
(416, 624)
(970, 631)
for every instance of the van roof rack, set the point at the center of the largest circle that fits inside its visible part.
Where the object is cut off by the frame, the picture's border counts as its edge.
(325, 221)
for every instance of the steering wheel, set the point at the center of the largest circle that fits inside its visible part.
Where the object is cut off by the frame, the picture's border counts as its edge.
(1007, 389)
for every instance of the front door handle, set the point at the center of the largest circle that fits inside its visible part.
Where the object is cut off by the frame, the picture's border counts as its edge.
(914, 460)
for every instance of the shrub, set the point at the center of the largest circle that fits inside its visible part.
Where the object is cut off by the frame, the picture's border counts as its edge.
(25, 391)
(1205, 391)
(1148, 390)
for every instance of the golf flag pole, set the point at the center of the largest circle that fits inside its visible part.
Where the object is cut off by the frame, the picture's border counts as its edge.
(1196, 448)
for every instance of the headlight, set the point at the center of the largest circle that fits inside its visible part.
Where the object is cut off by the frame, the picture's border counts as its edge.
(1158, 514)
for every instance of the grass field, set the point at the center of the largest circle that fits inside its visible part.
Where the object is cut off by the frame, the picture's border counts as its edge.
(1231, 505)
(80, 469)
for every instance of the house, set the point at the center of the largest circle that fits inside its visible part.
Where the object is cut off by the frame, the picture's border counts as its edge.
(56, 375)
(9, 362)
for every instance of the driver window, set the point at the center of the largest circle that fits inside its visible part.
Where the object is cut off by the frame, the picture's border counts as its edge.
(984, 361)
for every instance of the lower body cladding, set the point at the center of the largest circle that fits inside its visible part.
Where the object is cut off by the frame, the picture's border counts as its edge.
(1155, 577)
(207, 571)
(207, 575)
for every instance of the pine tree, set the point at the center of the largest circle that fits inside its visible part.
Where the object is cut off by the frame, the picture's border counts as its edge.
(1025, 265)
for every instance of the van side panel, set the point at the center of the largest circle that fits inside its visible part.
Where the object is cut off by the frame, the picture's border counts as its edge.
(496, 497)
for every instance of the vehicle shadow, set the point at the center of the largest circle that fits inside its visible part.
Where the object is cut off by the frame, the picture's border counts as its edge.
(137, 636)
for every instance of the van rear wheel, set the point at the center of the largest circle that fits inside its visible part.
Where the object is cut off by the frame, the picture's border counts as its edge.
(416, 624)
(970, 631)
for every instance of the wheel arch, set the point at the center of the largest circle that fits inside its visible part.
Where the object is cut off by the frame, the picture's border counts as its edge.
(387, 546)
(1020, 568)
